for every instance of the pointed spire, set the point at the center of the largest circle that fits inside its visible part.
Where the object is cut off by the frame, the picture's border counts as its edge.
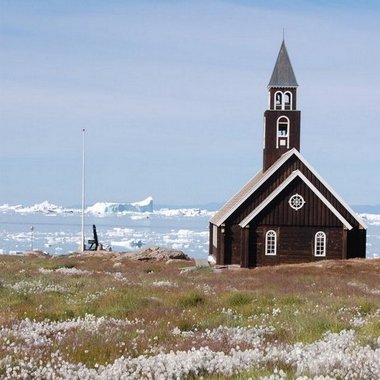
(283, 74)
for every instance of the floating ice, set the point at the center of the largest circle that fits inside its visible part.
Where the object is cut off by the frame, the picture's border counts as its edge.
(100, 208)
(371, 219)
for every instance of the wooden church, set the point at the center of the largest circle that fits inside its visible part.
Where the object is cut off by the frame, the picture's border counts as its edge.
(287, 213)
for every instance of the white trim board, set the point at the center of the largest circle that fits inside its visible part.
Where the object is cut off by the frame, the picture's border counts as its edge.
(283, 185)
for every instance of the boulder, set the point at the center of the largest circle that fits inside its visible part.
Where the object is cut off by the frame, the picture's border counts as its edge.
(36, 253)
(159, 254)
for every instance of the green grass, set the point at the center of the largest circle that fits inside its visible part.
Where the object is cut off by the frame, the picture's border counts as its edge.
(236, 299)
(192, 298)
(301, 304)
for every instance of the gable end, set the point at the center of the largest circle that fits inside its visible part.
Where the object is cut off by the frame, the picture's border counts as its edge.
(284, 184)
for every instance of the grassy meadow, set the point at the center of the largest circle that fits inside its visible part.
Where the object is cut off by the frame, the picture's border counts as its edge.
(108, 317)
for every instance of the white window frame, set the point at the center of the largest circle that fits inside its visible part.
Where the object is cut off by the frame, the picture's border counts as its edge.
(281, 100)
(282, 106)
(215, 236)
(290, 100)
(271, 243)
(286, 136)
(320, 244)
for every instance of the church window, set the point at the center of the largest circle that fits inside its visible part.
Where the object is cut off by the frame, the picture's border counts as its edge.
(278, 100)
(288, 100)
(215, 236)
(271, 243)
(283, 101)
(296, 202)
(320, 244)
(282, 132)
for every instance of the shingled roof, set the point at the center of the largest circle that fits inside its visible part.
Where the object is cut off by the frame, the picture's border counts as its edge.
(283, 74)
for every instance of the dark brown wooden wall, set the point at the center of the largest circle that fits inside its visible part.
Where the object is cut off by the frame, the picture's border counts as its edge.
(220, 252)
(356, 243)
(294, 244)
(313, 214)
(271, 154)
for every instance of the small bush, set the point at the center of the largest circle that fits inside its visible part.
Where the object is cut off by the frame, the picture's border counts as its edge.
(291, 301)
(366, 307)
(191, 299)
(185, 325)
(54, 265)
(314, 327)
(239, 299)
(371, 329)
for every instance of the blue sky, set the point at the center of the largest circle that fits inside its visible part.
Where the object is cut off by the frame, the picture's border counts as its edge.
(172, 95)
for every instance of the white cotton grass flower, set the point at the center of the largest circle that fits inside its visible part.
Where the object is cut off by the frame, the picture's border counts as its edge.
(91, 297)
(72, 271)
(333, 356)
(206, 289)
(82, 272)
(357, 321)
(65, 270)
(164, 283)
(34, 287)
(45, 271)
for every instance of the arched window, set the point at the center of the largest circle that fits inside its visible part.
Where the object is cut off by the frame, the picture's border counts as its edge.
(288, 100)
(283, 101)
(283, 132)
(271, 243)
(278, 100)
(320, 244)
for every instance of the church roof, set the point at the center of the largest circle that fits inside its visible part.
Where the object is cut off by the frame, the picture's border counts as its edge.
(260, 178)
(232, 205)
(283, 74)
(247, 190)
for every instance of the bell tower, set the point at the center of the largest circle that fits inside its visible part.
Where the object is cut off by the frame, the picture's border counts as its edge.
(282, 121)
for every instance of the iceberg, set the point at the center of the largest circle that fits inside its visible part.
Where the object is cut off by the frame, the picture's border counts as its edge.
(184, 212)
(44, 207)
(100, 208)
(371, 219)
(6, 208)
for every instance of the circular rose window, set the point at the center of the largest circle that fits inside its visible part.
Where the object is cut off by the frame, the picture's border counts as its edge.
(296, 202)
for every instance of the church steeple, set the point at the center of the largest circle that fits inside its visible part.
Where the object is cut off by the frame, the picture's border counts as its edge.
(283, 74)
(281, 120)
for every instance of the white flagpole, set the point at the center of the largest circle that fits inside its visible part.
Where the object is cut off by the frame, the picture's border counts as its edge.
(83, 188)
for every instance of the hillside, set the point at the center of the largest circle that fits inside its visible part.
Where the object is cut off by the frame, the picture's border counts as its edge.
(106, 316)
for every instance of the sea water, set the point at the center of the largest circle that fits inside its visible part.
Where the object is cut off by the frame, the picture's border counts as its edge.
(61, 233)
